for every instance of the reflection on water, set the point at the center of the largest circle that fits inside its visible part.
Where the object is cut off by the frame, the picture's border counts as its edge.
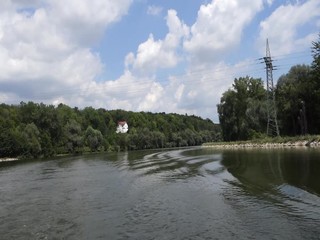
(269, 170)
(273, 185)
(190, 193)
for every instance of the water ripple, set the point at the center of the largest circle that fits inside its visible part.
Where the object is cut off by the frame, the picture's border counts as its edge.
(171, 194)
(177, 164)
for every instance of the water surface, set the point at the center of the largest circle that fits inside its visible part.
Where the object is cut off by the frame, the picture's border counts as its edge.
(177, 194)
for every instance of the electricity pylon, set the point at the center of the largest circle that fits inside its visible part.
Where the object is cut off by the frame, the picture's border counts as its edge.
(272, 126)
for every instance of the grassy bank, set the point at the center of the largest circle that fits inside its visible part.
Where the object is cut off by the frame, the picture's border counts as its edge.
(297, 141)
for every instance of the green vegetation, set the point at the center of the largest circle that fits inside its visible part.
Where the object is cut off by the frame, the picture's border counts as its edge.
(243, 111)
(39, 130)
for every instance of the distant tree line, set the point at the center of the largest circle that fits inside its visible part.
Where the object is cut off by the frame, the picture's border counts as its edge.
(40, 130)
(243, 111)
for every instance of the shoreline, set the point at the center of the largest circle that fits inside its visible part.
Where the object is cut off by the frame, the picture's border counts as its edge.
(228, 145)
(8, 159)
(241, 145)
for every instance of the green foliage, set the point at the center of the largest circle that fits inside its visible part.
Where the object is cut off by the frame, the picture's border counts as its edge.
(31, 138)
(39, 130)
(242, 110)
(93, 139)
(298, 97)
(295, 101)
(316, 60)
(315, 75)
(73, 135)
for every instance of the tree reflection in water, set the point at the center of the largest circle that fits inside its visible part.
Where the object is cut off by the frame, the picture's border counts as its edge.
(268, 170)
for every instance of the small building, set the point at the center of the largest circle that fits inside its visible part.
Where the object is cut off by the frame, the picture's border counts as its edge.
(122, 127)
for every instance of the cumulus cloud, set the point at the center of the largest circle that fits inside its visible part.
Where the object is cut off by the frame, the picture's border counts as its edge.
(283, 25)
(156, 54)
(45, 45)
(152, 99)
(46, 55)
(152, 54)
(84, 21)
(128, 92)
(219, 27)
(199, 89)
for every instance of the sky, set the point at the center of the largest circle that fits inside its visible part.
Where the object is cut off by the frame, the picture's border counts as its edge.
(147, 55)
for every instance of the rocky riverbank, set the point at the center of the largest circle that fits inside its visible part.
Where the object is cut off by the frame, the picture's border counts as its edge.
(289, 144)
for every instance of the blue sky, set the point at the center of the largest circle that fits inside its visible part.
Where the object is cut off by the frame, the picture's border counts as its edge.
(142, 55)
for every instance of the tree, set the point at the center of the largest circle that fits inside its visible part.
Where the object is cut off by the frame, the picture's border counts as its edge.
(73, 134)
(31, 137)
(315, 71)
(227, 115)
(295, 101)
(93, 139)
(316, 60)
(242, 110)
(32, 129)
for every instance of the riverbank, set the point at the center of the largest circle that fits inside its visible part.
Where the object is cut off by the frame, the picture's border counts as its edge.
(8, 159)
(286, 142)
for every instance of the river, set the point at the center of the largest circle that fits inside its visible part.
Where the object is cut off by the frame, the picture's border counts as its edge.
(192, 193)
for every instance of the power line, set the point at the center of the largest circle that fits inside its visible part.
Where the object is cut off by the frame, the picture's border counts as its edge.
(191, 77)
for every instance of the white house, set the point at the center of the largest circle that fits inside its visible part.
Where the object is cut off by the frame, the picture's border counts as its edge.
(122, 127)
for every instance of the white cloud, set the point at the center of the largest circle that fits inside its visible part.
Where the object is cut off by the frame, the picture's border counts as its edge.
(128, 92)
(84, 21)
(45, 45)
(45, 53)
(155, 54)
(152, 55)
(153, 98)
(219, 27)
(46, 57)
(179, 92)
(283, 25)
(202, 88)
(195, 92)
(154, 10)
(270, 2)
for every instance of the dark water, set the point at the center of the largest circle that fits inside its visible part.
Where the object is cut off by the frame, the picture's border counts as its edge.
(179, 194)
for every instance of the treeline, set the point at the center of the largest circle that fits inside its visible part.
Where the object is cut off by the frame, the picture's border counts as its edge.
(243, 110)
(40, 130)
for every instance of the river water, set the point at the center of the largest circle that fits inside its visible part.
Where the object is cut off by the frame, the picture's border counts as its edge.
(190, 193)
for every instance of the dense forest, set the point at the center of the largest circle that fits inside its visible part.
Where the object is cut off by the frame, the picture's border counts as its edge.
(243, 110)
(39, 130)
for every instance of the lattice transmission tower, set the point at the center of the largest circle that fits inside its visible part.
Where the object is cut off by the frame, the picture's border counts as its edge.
(272, 125)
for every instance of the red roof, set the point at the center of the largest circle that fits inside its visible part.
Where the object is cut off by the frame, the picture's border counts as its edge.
(122, 123)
